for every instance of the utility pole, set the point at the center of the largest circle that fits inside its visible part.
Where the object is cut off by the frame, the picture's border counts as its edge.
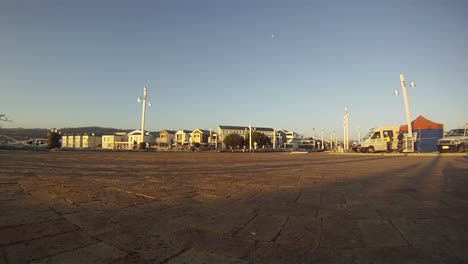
(274, 138)
(346, 129)
(409, 146)
(322, 140)
(143, 113)
(250, 136)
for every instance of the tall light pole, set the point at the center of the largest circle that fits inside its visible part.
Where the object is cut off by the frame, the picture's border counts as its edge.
(274, 138)
(322, 140)
(143, 113)
(250, 136)
(346, 129)
(409, 145)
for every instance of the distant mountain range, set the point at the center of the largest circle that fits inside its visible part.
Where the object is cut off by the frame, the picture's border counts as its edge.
(23, 133)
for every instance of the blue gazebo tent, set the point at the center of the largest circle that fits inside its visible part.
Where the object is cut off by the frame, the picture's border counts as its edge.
(428, 133)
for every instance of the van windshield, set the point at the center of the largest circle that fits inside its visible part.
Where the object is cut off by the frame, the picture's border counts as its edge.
(369, 134)
(455, 132)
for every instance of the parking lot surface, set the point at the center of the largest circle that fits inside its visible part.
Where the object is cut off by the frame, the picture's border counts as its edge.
(146, 207)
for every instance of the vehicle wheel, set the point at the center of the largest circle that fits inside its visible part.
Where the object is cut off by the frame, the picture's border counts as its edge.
(461, 148)
(370, 149)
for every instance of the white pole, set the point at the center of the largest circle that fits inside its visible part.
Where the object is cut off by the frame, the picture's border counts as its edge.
(407, 109)
(313, 133)
(250, 136)
(143, 113)
(211, 138)
(346, 129)
(322, 140)
(344, 134)
(274, 138)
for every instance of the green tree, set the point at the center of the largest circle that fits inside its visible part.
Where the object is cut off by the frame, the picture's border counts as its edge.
(260, 138)
(233, 140)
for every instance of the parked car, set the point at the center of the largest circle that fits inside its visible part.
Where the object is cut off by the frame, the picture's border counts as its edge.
(455, 141)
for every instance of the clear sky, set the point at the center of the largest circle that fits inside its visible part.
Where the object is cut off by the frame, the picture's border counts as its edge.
(281, 64)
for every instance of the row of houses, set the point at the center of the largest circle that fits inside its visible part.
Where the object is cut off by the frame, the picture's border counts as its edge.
(170, 139)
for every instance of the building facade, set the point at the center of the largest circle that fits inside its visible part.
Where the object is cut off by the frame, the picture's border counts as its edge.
(166, 139)
(200, 136)
(182, 137)
(114, 141)
(243, 131)
(91, 141)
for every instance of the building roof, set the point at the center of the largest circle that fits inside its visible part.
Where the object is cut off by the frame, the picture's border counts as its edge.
(138, 132)
(262, 128)
(234, 127)
(183, 130)
(204, 131)
(246, 128)
(169, 131)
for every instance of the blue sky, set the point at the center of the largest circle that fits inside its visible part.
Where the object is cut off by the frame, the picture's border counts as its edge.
(281, 64)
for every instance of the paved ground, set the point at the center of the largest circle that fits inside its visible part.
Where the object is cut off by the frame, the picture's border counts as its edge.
(78, 207)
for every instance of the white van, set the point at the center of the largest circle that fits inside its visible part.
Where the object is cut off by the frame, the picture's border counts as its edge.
(375, 139)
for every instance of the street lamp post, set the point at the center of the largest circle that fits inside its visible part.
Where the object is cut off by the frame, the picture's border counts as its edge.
(250, 136)
(346, 130)
(409, 146)
(322, 140)
(143, 113)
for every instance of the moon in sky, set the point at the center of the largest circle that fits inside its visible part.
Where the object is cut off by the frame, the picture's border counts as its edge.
(272, 35)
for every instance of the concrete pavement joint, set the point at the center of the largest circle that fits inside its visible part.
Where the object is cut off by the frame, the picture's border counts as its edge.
(407, 241)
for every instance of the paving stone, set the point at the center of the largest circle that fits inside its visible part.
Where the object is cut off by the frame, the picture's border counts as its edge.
(194, 256)
(91, 221)
(416, 255)
(132, 259)
(39, 248)
(310, 197)
(273, 253)
(118, 198)
(3, 259)
(75, 197)
(20, 216)
(215, 220)
(9, 235)
(139, 242)
(263, 228)
(24, 201)
(63, 206)
(216, 243)
(418, 232)
(380, 233)
(201, 200)
(43, 195)
(339, 233)
(95, 253)
(301, 232)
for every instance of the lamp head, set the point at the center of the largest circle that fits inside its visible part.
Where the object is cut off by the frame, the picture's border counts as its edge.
(139, 99)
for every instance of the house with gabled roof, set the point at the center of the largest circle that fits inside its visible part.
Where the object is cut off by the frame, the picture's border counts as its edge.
(182, 137)
(200, 136)
(166, 139)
